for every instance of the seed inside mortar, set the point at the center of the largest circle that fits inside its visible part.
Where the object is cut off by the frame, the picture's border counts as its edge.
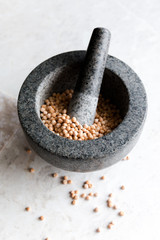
(54, 116)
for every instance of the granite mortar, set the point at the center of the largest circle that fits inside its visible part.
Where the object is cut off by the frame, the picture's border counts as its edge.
(120, 84)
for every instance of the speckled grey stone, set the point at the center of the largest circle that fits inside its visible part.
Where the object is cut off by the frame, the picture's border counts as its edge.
(120, 83)
(85, 98)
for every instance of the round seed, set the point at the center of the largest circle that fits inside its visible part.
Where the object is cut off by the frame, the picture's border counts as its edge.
(98, 230)
(95, 194)
(27, 209)
(65, 178)
(121, 213)
(28, 151)
(41, 218)
(83, 195)
(85, 186)
(96, 209)
(54, 175)
(103, 177)
(31, 170)
(64, 182)
(87, 198)
(73, 202)
(122, 187)
(114, 207)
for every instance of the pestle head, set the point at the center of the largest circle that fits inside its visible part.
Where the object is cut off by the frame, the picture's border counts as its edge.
(85, 98)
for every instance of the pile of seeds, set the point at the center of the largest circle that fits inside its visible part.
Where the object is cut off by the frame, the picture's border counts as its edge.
(55, 118)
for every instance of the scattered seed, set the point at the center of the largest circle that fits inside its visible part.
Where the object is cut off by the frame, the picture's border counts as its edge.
(76, 197)
(112, 223)
(65, 178)
(31, 170)
(69, 181)
(87, 182)
(90, 194)
(27, 209)
(109, 203)
(83, 195)
(96, 209)
(72, 195)
(102, 178)
(76, 191)
(90, 185)
(87, 198)
(109, 226)
(64, 182)
(85, 186)
(95, 194)
(54, 175)
(41, 218)
(98, 230)
(127, 158)
(114, 207)
(28, 151)
(121, 213)
(110, 195)
(73, 202)
(122, 187)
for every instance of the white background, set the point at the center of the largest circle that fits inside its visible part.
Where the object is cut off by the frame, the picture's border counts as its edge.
(34, 30)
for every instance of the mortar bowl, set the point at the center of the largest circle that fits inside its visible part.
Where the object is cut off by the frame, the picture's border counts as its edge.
(120, 84)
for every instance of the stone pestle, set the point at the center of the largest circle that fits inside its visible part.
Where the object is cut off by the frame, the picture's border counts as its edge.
(85, 98)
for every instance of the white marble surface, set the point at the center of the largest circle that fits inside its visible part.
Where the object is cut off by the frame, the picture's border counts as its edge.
(32, 31)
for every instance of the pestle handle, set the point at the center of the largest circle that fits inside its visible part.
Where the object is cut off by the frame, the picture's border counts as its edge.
(85, 98)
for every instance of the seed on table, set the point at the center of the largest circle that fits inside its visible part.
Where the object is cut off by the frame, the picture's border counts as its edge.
(127, 158)
(112, 223)
(102, 178)
(109, 226)
(76, 191)
(109, 204)
(73, 202)
(83, 195)
(69, 181)
(72, 195)
(41, 218)
(31, 170)
(90, 194)
(98, 230)
(54, 175)
(110, 195)
(65, 178)
(87, 198)
(114, 207)
(85, 186)
(76, 197)
(90, 185)
(28, 151)
(122, 187)
(87, 182)
(47, 238)
(95, 194)
(64, 182)
(27, 209)
(96, 209)
(121, 213)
